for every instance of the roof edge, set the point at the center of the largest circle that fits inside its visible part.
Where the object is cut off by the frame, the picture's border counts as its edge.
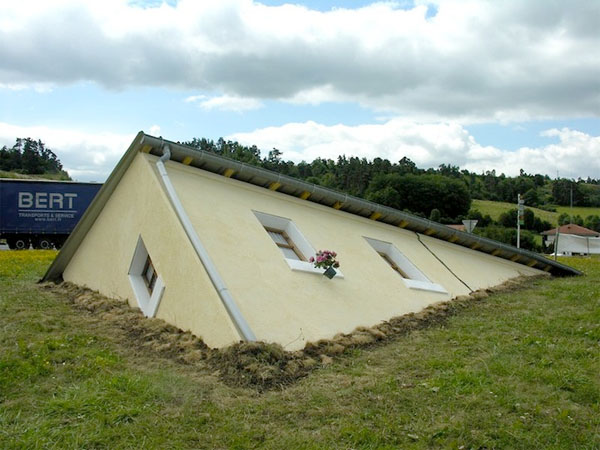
(299, 189)
(72, 243)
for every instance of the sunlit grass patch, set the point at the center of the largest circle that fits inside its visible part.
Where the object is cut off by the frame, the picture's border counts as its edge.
(495, 209)
(25, 263)
(514, 370)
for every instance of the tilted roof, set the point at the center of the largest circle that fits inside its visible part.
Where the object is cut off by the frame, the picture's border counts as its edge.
(291, 186)
(572, 228)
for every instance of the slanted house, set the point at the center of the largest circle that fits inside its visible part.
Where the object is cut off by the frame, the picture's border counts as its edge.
(573, 239)
(221, 248)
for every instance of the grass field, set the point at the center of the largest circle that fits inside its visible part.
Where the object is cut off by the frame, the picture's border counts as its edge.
(494, 209)
(47, 176)
(515, 370)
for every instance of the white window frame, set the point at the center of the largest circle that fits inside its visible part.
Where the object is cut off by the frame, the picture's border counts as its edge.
(294, 234)
(147, 300)
(150, 283)
(289, 243)
(416, 279)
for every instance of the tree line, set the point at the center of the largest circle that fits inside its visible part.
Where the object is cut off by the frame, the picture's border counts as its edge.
(31, 157)
(383, 181)
(443, 194)
(402, 185)
(399, 185)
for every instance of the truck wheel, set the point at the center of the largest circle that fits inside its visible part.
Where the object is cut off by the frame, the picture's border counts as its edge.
(21, 244)
(44, 244)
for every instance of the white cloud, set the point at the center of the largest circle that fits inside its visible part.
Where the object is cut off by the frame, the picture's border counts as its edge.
(86, 156)
(474, 60)
(41, 88)
(429, 145)
(225, 103)
(194, 98)
(154, 130)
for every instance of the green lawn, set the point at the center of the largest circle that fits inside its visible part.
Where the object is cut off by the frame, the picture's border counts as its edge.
(577, 211)
(515, 370)
(494, 209)
(46, 176)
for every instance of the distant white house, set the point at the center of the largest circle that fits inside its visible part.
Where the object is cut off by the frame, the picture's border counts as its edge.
(222, 249)
(574, 239)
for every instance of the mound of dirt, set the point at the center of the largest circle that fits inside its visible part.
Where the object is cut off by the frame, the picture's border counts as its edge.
(142, 332)
(259, 365)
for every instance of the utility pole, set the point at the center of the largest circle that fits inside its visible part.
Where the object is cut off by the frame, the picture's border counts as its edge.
(520, 218)
(571, 208)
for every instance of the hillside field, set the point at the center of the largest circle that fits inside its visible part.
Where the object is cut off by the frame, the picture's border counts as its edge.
(519, 369)
(22, 176)
(494, 209)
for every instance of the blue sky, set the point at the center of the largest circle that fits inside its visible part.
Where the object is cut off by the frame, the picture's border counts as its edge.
(478, 84)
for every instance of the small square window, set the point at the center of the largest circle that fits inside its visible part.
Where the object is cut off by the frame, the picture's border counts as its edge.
(145, 281)
(287, 246)
(294, 246)
(392, 264)
(149, 275)
(411, 275)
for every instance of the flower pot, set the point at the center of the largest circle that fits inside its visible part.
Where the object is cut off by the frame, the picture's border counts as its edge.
(330, 272)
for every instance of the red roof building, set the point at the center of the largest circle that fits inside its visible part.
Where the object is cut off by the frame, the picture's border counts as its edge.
(572, 228)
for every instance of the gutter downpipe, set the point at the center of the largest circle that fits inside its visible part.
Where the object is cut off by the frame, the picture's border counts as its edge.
(234, 313)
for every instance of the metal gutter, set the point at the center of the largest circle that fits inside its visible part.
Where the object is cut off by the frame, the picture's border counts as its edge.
(354, 205)
(228, 301)
(299, 189)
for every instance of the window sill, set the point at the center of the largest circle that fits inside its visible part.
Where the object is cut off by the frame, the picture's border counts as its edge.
(303, 266)
(147, 303)
(424, 286)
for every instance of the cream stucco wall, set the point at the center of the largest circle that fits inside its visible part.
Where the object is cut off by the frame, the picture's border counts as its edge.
(490, 270)
(291, 307)
(137, 207)
(280, 305)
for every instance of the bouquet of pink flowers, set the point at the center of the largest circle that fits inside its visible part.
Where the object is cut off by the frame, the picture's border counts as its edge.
(324, 259)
